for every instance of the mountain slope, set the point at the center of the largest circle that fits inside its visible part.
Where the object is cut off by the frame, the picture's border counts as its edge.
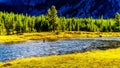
(67, 8)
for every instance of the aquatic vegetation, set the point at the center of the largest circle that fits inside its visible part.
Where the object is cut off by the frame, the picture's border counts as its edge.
(91, 59)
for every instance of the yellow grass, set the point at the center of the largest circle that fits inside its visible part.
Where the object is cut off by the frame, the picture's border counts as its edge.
(54, 36)
(92, 59)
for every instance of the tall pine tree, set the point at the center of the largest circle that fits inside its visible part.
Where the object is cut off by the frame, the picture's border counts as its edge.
(53, 18)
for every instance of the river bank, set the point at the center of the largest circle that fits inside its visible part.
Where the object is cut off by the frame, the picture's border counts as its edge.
(55, 35)
(91, 59)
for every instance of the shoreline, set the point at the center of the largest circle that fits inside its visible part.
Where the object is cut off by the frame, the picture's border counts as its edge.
(92, 59)
(55, 35)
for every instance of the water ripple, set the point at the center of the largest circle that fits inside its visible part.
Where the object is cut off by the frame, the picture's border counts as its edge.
(58, 47)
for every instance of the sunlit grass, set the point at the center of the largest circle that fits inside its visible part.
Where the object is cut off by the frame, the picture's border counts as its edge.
(92, 59)
(12, 38)
(55, 35)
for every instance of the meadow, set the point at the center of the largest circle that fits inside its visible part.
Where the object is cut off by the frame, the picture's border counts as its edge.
(51, 36)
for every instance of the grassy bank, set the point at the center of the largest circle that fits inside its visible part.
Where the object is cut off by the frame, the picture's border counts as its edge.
(55, 35)
(92, 59)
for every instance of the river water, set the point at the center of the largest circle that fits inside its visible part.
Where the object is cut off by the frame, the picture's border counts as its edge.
(10, 51)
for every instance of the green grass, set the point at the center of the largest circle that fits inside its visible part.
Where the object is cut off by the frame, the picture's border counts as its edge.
(92, 59)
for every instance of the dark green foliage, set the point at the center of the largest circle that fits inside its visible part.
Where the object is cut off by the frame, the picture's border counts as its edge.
(11, 23)
(117, 18)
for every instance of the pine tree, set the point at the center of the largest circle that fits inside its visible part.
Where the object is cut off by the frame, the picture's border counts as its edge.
(53, 18)
(117, 19)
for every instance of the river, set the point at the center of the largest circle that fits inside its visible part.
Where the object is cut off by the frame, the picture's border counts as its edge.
(10, 51)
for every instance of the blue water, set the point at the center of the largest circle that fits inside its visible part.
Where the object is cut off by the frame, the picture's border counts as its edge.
(10, 51)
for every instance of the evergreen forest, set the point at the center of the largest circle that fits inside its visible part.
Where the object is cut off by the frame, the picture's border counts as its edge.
(11, 23)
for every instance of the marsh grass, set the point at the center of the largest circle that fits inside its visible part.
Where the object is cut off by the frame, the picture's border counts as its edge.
(55, 36)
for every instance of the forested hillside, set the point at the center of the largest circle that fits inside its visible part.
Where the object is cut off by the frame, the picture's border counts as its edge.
(11, 23)
(67, 8)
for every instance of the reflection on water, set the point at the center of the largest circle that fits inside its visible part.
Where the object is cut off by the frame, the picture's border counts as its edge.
(58, 47)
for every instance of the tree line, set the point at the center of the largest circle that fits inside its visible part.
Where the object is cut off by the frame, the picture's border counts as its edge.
(11, 23)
